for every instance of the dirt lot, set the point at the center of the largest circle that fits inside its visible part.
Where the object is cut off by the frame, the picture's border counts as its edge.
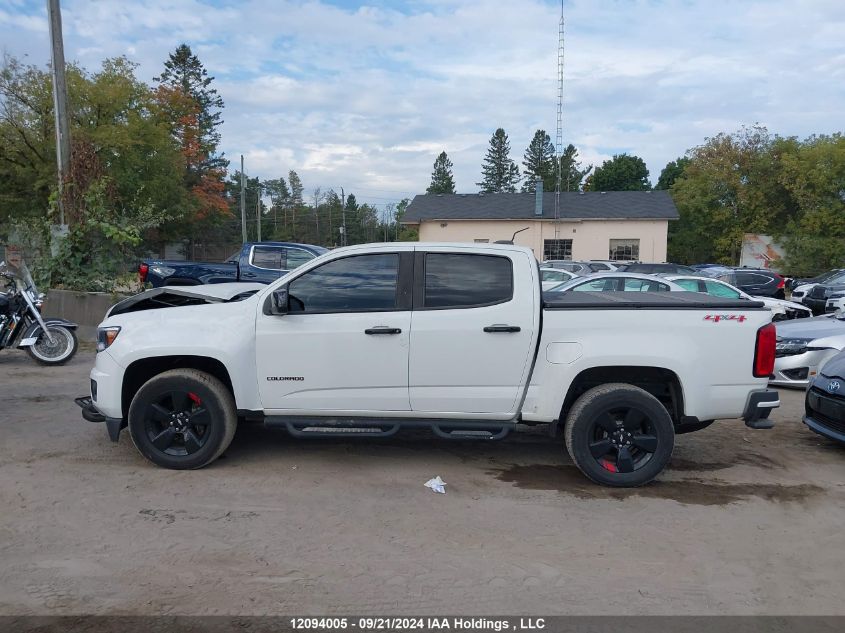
(744, 522)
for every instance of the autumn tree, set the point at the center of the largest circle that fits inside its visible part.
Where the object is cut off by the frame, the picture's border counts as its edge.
(442, 180)
(499, 172)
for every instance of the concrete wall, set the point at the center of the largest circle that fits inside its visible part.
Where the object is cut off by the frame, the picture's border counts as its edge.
(590, 238)
(85, 308)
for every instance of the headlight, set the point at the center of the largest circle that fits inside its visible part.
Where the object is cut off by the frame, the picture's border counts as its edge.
(791, 346)
(162, 271)
(106, 336)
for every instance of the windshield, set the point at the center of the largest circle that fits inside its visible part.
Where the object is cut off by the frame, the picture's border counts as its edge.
(20, 273)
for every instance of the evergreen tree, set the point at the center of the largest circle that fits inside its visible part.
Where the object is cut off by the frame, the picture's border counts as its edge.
(539, 163)
(571, 174)
(442, 180)
(184, 73)
(500, 173)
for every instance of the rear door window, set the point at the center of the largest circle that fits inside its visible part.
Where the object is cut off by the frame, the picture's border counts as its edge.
(693, 285)
(466, 281)
(269, 257)
(715, 289)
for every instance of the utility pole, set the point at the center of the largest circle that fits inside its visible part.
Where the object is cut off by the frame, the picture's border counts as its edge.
(343, 218)
(258, 212)
(243, 201)
(57, 59)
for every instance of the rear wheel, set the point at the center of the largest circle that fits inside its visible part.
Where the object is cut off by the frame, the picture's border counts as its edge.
(619, 435)
(182, 419)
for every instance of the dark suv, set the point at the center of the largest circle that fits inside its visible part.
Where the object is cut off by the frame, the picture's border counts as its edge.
(656, 269)
(756, 281)
(817, 296)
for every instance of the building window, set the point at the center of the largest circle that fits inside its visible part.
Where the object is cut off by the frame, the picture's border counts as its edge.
(557, 249)
(624, 250)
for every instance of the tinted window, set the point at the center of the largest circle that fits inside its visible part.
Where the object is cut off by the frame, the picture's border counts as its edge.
(597, 268)
(555, 275)
(689, 284)
(645, 285)
(751, 279)
(366, 283)
(596, 285)
(295, 257)
(464, 281)
(267, 257)
(716, 289)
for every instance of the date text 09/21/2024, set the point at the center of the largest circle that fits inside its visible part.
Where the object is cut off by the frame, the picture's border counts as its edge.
(418, 624)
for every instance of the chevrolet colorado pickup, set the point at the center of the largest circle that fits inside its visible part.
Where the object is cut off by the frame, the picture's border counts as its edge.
(368, 340)
(256, 261)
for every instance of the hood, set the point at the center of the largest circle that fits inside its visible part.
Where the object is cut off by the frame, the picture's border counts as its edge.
(783, 303)
(178, 296)
(835, 367)
(815, 328)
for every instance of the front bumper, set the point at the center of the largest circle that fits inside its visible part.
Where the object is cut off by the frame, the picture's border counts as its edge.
(825, 413)
(798, 370)
(758, 407)
(90, 413)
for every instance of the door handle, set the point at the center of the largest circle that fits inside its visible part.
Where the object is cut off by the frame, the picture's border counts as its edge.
(502, 328)
(248, 274)
(381, 329)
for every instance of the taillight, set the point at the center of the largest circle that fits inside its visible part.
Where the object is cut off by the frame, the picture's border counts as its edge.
(764, 351)
(781, 282)
(143, 269)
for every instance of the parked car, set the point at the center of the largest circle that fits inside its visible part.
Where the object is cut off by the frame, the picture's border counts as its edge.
(602, 266)
(578, 268)
(835, 302)
(817, 297)
(371, 339)
(551, 277)
(758, 282)
(654, 269)
(261, 262)
(796, 282)
(781, 309)
(824, 403)
(804, 346)
(617, 282)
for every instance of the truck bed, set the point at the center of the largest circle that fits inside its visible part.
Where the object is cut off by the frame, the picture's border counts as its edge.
(644, 301)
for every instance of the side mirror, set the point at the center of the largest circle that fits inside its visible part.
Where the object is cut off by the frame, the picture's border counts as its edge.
(279, 302)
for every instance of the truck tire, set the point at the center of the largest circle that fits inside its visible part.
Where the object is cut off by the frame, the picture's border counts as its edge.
(619, 435)
(182, 419)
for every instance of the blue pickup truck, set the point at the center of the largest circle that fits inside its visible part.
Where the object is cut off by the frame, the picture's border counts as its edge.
(261, 262)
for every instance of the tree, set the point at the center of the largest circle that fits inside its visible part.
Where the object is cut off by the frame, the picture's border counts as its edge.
(442, 180)
(279, 194)
(539, 163)
(673, 170)
(571, 174)
(621, 173)
(500, 173)
(185, 73)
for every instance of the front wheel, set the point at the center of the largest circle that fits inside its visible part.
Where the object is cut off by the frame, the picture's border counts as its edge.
(59, 351)
(619, 435)
(182, 419)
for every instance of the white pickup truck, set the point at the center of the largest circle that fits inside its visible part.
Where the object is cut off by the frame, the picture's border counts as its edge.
(372, 339)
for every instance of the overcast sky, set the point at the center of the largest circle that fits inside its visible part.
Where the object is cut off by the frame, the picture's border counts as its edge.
(364, 95)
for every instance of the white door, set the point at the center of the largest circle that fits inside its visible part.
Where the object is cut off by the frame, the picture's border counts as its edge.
(473, 332)
(343, 345)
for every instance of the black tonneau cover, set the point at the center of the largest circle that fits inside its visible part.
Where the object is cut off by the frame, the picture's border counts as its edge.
(644, 301)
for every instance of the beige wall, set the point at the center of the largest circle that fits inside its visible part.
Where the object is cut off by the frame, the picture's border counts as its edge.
(590, 238)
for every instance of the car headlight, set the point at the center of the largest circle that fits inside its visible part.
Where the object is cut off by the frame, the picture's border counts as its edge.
(791, 346)
(106, 336)
(162, 271)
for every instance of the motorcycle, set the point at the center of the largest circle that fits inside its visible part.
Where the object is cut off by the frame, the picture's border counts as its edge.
(47, 341)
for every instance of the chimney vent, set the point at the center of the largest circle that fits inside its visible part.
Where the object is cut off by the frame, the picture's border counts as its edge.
(538, 198)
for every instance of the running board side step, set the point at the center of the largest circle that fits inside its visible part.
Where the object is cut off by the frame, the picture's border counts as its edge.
(387, 427)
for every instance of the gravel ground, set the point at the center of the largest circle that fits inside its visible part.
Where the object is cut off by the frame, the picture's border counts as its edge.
(743, 522)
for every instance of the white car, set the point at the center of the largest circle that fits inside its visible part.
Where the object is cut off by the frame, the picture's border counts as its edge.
(617, 282)
(372, 339)
(835, 302)
(804, 346)
(551, 277)
(781, 309)
(800, 290)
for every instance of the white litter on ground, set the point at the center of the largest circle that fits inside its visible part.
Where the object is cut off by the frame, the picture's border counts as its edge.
(437, 485)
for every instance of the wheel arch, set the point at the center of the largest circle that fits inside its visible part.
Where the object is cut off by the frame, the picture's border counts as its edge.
(140, 371)
(660, 382)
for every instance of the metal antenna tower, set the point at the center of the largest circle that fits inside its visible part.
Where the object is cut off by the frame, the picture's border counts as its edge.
(559, 133)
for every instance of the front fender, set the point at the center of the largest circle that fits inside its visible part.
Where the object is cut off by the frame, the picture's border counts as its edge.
(31, 334)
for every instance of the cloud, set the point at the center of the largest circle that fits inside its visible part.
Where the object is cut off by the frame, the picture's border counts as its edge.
(364, 95)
